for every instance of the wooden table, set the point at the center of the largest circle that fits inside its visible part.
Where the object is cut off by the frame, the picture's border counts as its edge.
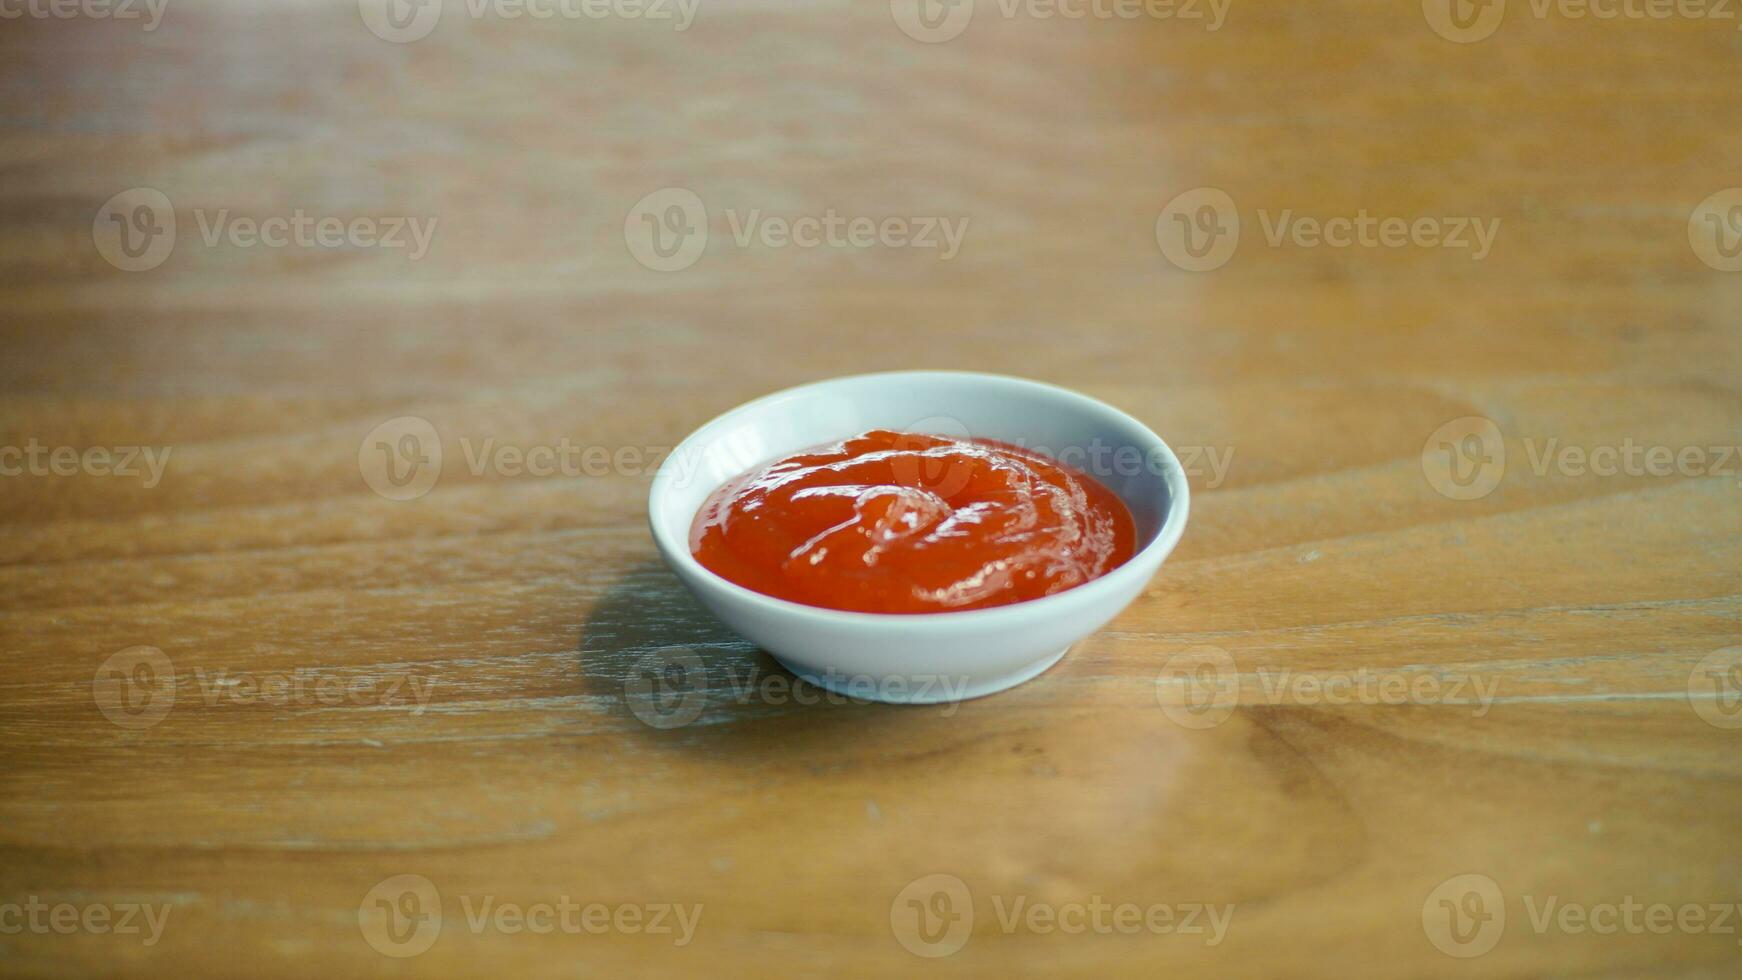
(1411, 699)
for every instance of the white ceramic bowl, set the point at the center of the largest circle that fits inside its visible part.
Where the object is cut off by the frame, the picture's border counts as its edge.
(929, 657)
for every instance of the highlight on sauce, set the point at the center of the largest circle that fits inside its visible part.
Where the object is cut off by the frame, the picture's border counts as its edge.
(896, 522)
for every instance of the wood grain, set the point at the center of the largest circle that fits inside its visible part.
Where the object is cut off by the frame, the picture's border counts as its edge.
(1565, 732)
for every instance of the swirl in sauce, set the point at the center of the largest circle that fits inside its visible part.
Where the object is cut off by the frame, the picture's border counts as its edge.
(896, 522)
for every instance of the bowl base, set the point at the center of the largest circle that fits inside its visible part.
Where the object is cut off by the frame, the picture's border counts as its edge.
(921, 693)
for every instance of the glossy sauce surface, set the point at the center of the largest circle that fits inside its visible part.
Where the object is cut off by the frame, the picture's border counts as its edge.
(904, 523)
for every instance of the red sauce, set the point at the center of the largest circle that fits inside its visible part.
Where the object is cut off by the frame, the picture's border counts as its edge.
(895, 522)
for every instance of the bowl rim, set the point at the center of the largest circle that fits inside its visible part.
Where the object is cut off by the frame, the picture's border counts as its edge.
(1150, 555)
